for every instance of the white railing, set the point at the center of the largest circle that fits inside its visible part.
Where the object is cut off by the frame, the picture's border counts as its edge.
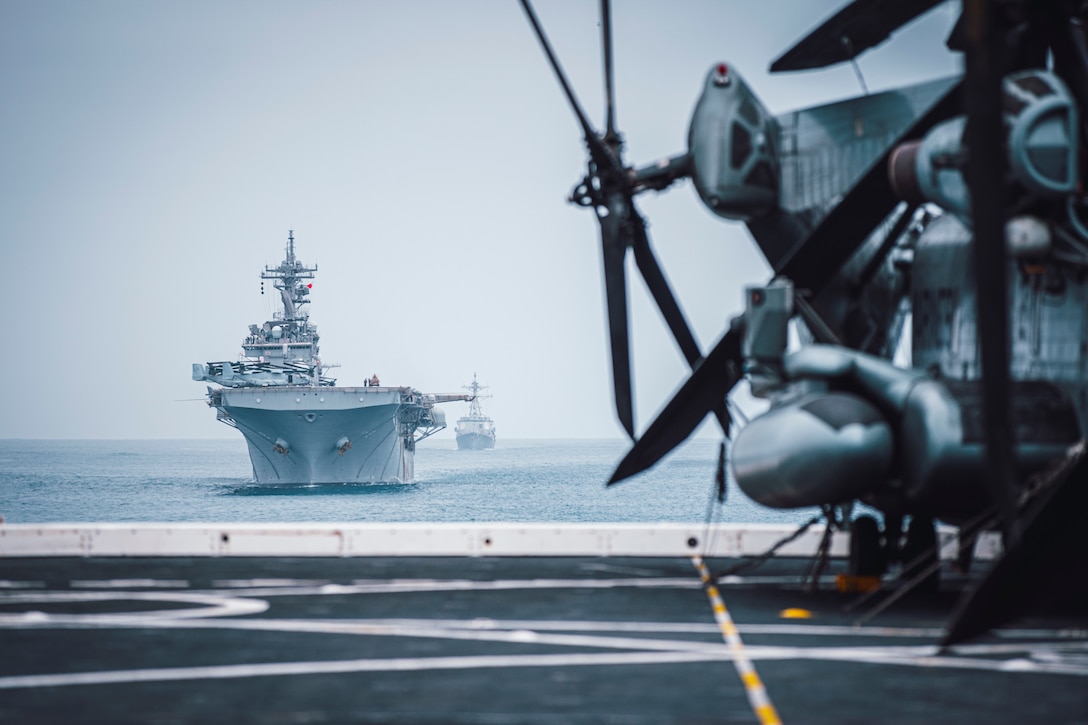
(427, 539)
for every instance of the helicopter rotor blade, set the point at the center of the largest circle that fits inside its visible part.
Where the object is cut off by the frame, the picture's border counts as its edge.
(705, 389)
(662, 294)
(659, 288)
(859, 26)
(610, 97)
(559, 74)
(614, 258)
(604, 190)
(609, 189)
(605, 157)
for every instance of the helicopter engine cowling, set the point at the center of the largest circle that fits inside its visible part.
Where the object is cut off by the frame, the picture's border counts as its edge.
(826, 447)
(731, 143)
(1041, 142)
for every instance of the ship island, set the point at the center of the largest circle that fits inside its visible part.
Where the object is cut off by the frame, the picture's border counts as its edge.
(475, 431)
(300, 427)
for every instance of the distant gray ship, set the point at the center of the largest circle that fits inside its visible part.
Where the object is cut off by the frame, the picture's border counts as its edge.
(475, 431)
(300, 427)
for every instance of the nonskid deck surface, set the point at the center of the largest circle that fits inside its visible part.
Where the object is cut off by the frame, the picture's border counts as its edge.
(501, 639)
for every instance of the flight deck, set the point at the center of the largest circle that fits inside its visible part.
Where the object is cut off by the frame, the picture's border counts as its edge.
(455, 623)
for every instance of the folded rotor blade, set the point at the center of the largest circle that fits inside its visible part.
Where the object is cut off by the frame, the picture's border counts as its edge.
(670, 308)
(861, 25)
(707, 387)
(662, 293)
(609, 92)
(609, 189)
(559, 74)
(604, 155)
(614, 249)
(604, 185)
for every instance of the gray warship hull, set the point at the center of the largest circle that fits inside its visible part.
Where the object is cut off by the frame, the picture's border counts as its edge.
(313, 435)
(475, 442)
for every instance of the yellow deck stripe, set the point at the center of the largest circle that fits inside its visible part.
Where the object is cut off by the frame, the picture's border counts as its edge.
(753, 686)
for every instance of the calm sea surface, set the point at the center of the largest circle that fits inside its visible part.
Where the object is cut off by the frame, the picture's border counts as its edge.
(211, 480)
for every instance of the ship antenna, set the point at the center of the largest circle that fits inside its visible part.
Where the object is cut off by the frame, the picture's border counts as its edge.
(290, 245)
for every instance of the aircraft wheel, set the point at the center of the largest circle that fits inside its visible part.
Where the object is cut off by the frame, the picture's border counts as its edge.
(866, 554)
(921, 542)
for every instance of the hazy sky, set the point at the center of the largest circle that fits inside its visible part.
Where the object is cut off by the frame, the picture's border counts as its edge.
(153, 156)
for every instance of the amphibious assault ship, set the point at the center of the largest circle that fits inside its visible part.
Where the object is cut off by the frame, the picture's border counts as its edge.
(301, 427)
(475, 431)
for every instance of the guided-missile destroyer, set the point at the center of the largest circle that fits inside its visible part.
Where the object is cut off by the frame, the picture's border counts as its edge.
(475, 431)
(301, 427)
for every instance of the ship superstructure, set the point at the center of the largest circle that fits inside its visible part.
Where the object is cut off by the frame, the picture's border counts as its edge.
(475, 431)
(299, 426)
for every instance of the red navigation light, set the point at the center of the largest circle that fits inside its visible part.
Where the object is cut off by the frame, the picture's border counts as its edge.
(721, 75)
(310, 286)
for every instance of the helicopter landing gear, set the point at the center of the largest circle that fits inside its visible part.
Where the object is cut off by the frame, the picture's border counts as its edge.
(872, 550)
(920, 554)
(866, 552)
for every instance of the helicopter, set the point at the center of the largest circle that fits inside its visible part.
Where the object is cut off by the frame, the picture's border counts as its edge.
(951, 213)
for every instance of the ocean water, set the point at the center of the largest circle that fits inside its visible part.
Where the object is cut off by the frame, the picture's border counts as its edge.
(211, 480)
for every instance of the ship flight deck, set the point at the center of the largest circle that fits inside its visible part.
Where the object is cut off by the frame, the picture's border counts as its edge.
(490, 623)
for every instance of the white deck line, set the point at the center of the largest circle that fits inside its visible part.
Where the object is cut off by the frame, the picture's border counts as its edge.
(424, 539)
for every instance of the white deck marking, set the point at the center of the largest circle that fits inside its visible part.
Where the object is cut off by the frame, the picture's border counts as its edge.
(340, 627)
(129, 584)
(618, 569)
(929, 656)
(391, 664)
(921, 656)
(251, 583)
(817, 630)
(389, 586)
(214, 606)
(1068, 657)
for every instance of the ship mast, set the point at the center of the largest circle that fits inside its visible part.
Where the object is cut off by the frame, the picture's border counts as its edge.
(474, 404)
(288, 279)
